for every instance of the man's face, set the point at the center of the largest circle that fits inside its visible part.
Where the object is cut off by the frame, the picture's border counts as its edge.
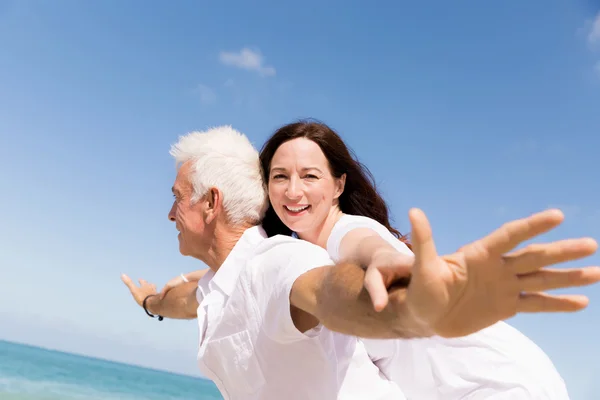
(188, 217)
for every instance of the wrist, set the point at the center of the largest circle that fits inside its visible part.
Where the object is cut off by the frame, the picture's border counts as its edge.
(408, 324)
(150, 305)
(381, 252)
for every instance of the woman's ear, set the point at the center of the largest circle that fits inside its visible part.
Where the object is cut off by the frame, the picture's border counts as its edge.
(340, 185)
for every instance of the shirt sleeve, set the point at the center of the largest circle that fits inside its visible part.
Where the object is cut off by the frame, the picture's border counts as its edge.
(280, 266)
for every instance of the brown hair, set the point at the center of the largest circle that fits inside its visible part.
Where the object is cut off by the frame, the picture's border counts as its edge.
(360, 196)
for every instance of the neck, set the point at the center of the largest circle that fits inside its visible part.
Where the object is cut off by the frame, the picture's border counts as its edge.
(224, 240)
(320, 234)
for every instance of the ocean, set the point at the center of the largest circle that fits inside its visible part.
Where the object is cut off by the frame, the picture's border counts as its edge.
(32, 373)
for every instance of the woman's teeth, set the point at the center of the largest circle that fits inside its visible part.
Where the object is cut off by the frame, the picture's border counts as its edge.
(296, 209)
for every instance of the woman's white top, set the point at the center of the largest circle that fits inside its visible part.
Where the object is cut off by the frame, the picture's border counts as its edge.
(498, 362)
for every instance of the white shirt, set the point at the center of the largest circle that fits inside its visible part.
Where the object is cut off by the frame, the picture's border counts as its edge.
(249, 345)
(498, 362)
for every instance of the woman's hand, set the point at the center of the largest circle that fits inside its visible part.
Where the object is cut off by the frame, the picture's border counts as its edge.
(388, 266)
(178, 280)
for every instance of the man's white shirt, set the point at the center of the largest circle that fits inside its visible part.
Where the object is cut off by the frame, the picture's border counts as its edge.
(249, 345)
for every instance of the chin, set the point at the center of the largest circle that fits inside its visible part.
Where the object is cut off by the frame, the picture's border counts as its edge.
(182, 250)
(298, 228)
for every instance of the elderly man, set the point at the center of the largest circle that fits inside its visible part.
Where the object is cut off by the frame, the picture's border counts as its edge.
(279, 320)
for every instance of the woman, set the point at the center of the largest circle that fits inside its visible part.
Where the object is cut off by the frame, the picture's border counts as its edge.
(320, 193)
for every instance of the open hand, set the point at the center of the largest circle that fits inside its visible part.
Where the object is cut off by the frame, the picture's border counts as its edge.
(139, 293)
(487, 281)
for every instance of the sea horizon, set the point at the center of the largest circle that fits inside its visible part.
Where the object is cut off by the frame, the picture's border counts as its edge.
(103, 359)
(31, 372)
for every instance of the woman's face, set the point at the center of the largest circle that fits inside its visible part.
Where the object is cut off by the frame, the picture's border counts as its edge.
(302, 190)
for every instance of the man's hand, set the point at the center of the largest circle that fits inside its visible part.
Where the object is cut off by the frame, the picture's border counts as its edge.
(139, 293)
(179, 303)
(484, 282)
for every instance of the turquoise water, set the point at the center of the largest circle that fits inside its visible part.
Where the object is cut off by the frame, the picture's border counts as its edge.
(31, 373)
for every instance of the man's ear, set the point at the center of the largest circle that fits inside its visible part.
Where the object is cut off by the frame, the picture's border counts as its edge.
(214, 203)
(340, 185)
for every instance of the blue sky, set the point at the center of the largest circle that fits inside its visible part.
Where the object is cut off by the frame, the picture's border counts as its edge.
(477, 112)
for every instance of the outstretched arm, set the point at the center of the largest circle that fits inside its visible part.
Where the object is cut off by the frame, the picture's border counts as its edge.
(451, 296)
(178, 303)
(336, 297)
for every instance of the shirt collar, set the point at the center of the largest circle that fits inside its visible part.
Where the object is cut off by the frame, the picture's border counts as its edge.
(226, 276)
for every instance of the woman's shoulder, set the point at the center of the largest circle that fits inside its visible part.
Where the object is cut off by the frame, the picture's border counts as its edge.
(348, 222)
(357, 221)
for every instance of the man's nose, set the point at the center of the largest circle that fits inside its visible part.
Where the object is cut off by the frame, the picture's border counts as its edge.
(172, 213)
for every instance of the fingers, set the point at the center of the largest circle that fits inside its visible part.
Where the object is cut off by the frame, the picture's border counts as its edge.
(422, 239)
(543, 280)
(143, 282)
(128, 282)
(536, 256)
(376, 288)
(543, 302)
(512, 233)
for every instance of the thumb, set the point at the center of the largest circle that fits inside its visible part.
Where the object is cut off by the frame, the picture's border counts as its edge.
(422, 240)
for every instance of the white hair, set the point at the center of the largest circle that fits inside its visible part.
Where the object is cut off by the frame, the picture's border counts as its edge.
(224, 158)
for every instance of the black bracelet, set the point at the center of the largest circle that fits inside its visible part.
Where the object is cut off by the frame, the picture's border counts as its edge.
(160, 318)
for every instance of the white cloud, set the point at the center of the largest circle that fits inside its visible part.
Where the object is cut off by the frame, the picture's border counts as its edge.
(207, 95)
(594, 33)
(247, 59)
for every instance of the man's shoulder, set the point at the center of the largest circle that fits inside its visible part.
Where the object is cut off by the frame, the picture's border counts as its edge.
(280, 256)
(278, 261)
